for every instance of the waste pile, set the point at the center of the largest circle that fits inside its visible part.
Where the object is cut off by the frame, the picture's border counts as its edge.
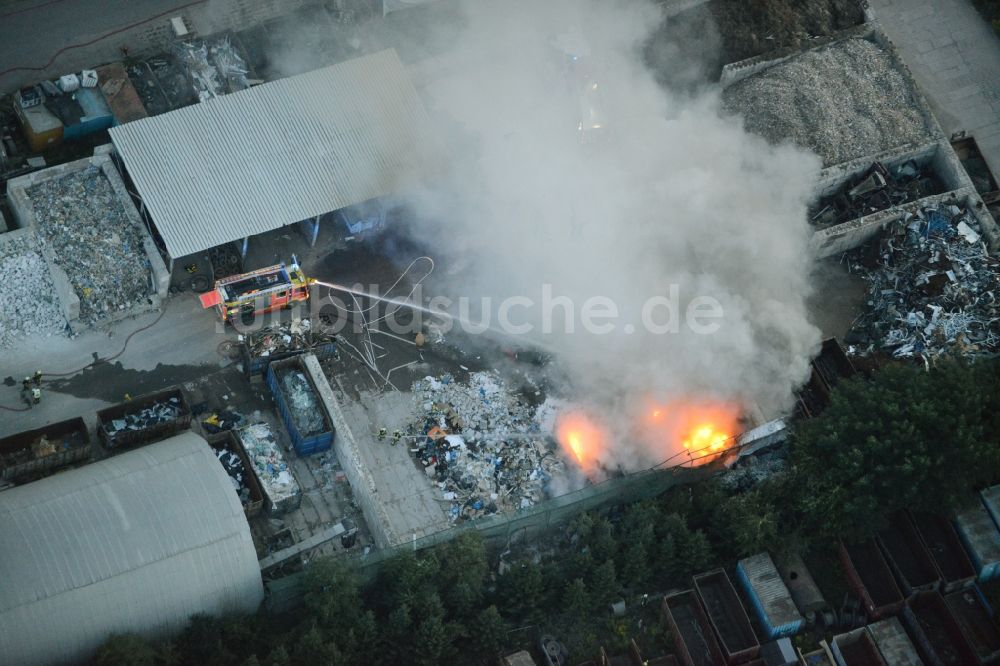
(158, 412)
(932, 288)
(302, 403)
(42, 447)
(80, 217)
(269, 463)
(215, 68)
(287, 336)
(29, 305)
(843, 101)
(233, 465)
(482, 445)
(879, 188)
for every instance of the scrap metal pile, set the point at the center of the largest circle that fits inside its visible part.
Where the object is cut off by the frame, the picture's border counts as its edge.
(932, 288)
(269, 463)
(482, 445)
(302, 403)
(80, 217)
(233, 465)
(29, 306)
(879, 188)
(159, 412)
(842, 101)
(216, 68)
(291, 336)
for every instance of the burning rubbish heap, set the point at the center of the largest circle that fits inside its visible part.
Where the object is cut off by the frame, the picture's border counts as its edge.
(237, 474)
(159, 412)
(92, 239)
(879, 188)
(842, 101)
(933, 288)
(269, 462)
(302, 403)
(30, 305)
(482, 445)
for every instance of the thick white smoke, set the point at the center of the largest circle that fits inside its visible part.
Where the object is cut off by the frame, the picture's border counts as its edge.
(670, 195)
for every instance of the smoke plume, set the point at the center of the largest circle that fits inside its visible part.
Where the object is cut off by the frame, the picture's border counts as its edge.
(667, 194)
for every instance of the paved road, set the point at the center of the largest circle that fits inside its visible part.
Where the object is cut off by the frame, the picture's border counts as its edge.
(186, 338)
(955, 58)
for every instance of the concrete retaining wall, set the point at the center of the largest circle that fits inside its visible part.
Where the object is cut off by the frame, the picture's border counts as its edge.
(345, 447)
(23, 210)
(939, 156)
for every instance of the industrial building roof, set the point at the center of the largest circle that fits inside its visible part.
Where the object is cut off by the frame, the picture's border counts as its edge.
(276, 154)
(134, 543)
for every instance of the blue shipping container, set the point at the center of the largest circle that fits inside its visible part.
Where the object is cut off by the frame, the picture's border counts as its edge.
(97, 114)
(771, 600)
(303, 445)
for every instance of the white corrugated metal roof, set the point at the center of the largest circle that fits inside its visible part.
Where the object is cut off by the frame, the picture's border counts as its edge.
(138, 542)
(276, 154)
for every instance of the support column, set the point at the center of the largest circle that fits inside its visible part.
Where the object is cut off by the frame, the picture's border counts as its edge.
(246, 244)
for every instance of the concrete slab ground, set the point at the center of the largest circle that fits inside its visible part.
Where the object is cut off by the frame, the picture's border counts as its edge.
(955, 58)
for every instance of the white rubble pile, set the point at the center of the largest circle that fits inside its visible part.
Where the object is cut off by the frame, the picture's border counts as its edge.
(81, 219)
(268, 461)
(29, 306)
(482, 445)
(843, 102)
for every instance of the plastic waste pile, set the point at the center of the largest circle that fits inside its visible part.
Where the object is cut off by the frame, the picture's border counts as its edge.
(482, 445)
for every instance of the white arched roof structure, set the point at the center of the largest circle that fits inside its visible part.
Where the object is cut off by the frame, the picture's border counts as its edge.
(138, 542)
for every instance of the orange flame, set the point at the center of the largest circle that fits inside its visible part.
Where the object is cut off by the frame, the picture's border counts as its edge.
(690, 431)
(582, 439)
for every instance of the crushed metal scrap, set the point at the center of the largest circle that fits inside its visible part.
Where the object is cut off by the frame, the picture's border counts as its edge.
(291, 336)
(878, 189)
(932, 288)
(482, 445)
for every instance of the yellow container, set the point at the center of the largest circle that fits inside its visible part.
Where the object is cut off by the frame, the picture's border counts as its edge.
(42, 129)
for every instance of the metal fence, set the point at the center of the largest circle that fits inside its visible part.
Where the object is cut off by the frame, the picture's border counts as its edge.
(525, 524)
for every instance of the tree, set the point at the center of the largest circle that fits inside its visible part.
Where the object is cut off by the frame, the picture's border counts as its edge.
(433, 642)
(521, 591)
(489, 634)
(603, 585)
(634, 565)
(575, 600)
(908, 438)
(202, 642)
(602, 541)
(753, 523)
(463, 572)
(332, 595)
(126, 650)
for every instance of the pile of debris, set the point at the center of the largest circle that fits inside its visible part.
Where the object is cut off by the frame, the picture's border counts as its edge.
(843, 101)
(269, 464)
(306, 412)
(29, 306)
(283, 337)
(932, 288)
(879, 188)
(215, 68)
(482, 445)
(100, 248)
(233, 465)
(158, 412)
